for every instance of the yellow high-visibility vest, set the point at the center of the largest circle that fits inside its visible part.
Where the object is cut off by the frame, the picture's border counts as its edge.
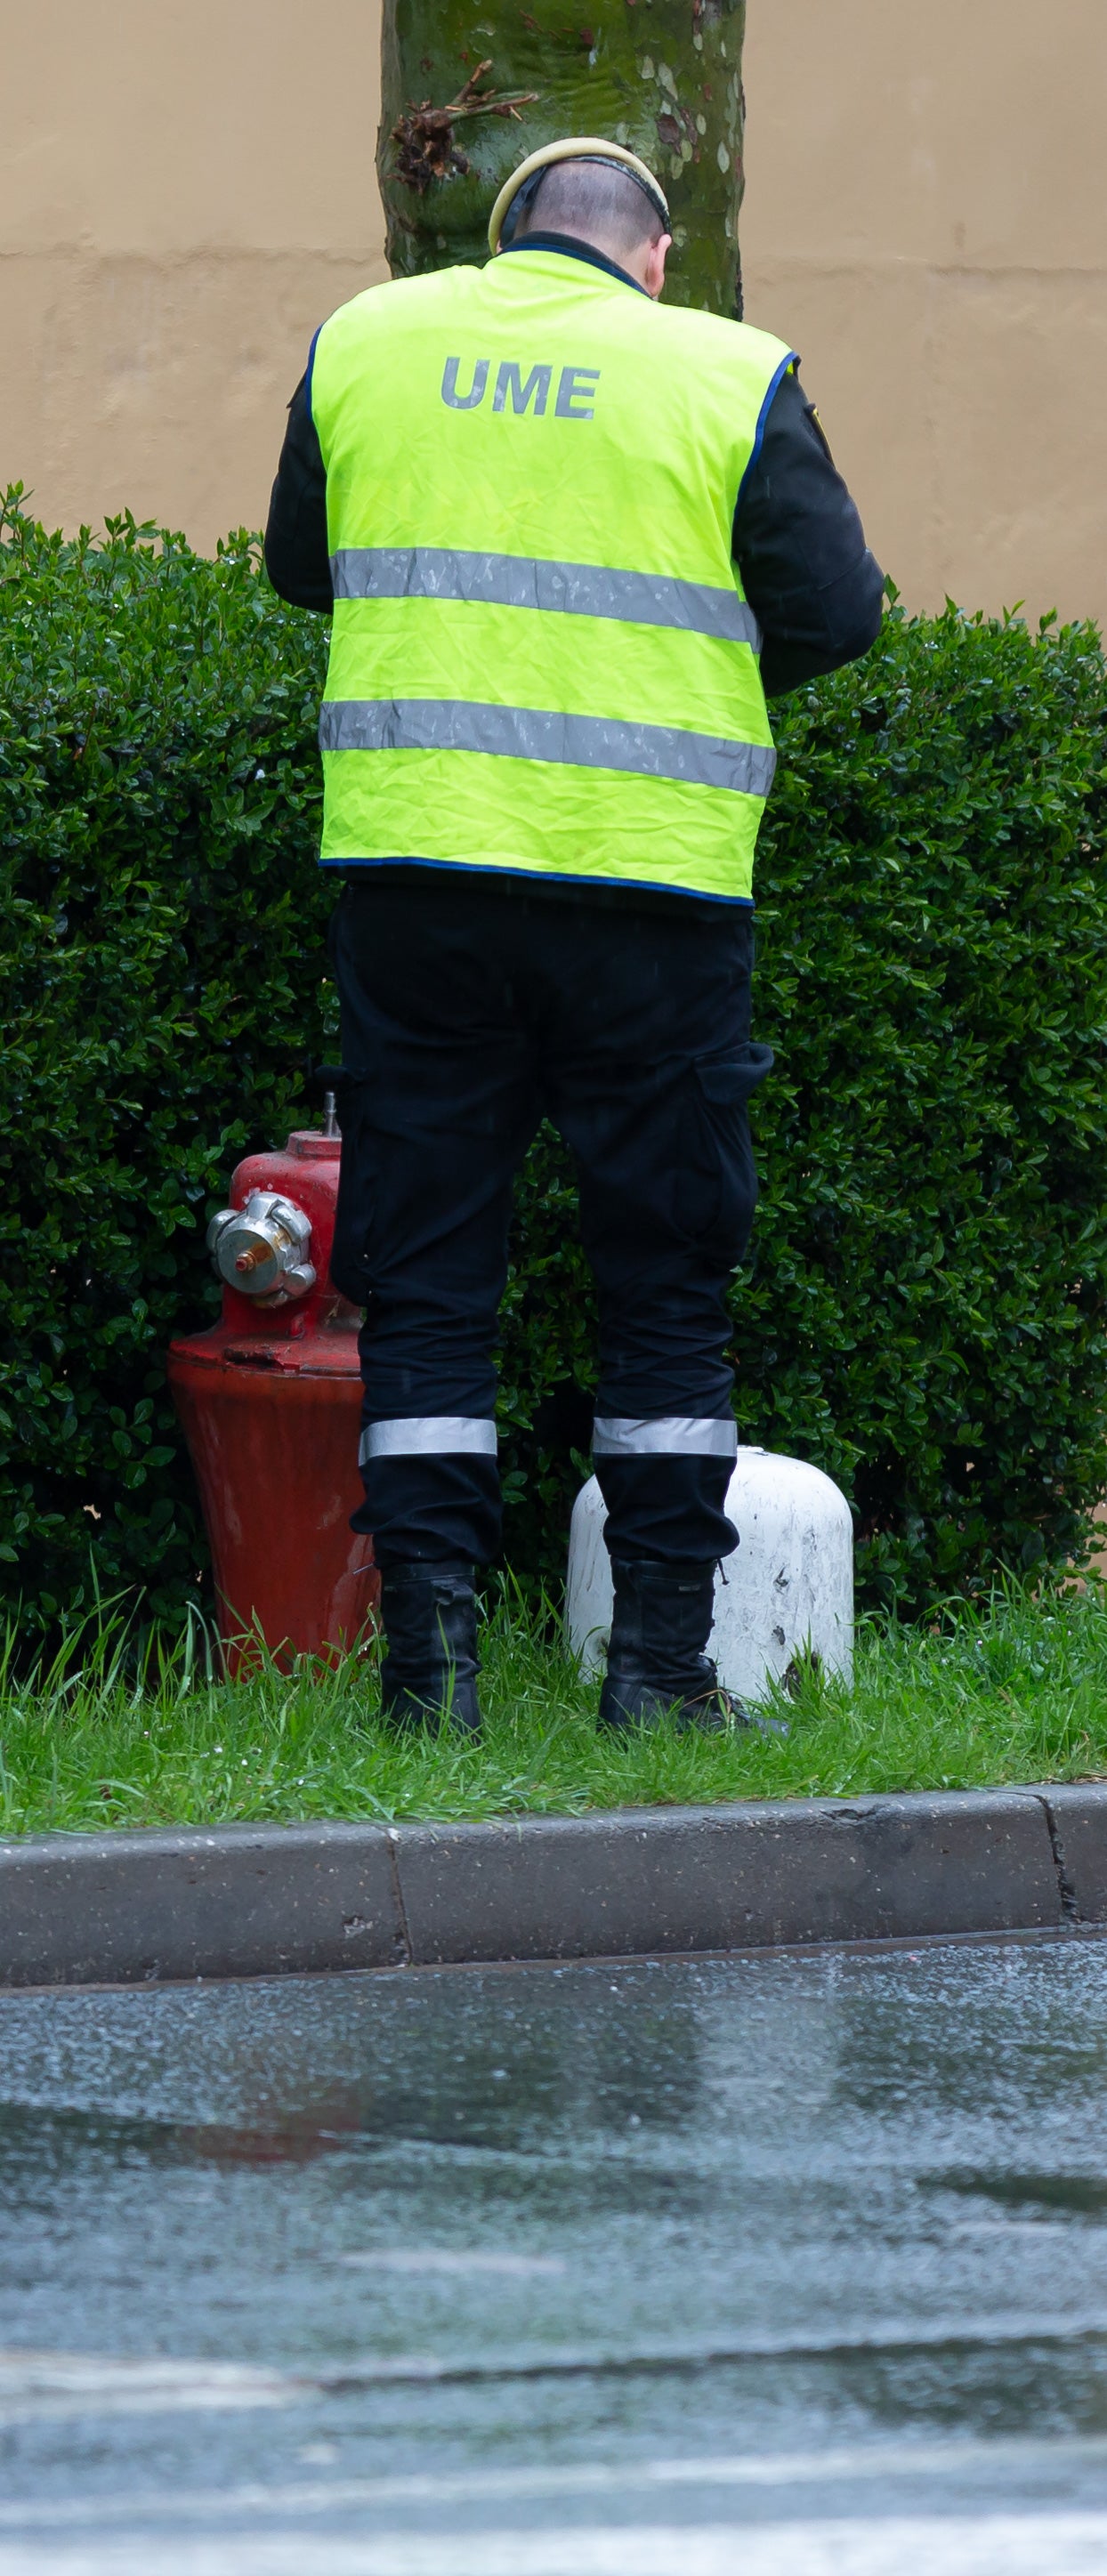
(542, 659)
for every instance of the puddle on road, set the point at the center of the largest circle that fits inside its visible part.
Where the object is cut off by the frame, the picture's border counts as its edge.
(708, 2247)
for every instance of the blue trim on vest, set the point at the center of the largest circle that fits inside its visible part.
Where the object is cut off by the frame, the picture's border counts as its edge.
(309, 372)
(544, 876)
(791, 360)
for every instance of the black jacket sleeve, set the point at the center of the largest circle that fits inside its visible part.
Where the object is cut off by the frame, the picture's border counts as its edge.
(800, 548)
(296, 555)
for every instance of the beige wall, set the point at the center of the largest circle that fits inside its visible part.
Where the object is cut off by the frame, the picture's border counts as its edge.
(926, 219)
(186, 188)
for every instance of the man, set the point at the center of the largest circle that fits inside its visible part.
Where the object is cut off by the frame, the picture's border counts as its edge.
(573, 538)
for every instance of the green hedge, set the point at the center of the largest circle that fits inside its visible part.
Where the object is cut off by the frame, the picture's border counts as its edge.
(924, 1309)
(162, 970)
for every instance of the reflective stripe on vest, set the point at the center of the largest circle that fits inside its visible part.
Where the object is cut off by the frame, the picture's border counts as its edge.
(541, 657)
(528, 733)
(520, 581)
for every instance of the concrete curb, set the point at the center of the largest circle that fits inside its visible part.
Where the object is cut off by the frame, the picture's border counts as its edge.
(266, 1900)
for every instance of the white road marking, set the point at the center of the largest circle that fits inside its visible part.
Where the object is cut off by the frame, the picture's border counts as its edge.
(1073, 2544)
(34, 2384)
(48, 2384)
(441, 2258)
(767, 2469)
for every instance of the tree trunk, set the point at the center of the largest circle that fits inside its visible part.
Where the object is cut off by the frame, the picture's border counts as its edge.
(663, 77)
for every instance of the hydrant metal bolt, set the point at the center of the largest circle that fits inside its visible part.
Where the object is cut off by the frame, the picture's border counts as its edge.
(252, 1259)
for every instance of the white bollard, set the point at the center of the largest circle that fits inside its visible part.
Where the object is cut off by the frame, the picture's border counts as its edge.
(787, 1589)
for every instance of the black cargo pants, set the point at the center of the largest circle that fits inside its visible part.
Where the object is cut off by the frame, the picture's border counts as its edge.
(473, 1006)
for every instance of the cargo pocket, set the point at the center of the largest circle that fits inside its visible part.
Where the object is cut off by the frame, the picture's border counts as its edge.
(717, 1179)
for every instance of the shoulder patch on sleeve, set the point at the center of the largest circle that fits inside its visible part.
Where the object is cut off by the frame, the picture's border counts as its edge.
(824, 441)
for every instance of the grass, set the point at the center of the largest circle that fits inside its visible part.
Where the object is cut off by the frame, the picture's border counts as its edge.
(1012, 1690)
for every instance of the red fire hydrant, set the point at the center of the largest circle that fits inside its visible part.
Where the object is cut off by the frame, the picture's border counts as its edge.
(269, 1402)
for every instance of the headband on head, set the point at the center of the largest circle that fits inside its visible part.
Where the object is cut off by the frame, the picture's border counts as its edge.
(519, 191)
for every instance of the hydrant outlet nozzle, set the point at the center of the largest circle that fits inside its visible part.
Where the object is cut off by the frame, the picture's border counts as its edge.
(262, 1249)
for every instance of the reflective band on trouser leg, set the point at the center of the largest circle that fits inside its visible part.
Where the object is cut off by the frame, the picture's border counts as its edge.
(525, 581)
(429, 1435)
(537, 733)
(620, 1435)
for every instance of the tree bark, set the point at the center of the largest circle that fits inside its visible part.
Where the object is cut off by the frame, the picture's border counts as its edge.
(663, 77)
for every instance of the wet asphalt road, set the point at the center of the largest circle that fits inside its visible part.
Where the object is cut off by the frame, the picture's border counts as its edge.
(780, 2267)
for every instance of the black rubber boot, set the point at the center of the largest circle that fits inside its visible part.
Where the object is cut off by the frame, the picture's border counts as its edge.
(429, 1617)
(655, 1662)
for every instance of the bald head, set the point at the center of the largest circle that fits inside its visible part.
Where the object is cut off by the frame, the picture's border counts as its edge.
(596, 202)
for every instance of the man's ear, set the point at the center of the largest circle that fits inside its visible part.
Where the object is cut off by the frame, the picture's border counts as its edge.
(655, 265)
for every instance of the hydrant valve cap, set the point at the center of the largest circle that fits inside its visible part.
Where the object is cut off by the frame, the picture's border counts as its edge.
(262, 1249)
